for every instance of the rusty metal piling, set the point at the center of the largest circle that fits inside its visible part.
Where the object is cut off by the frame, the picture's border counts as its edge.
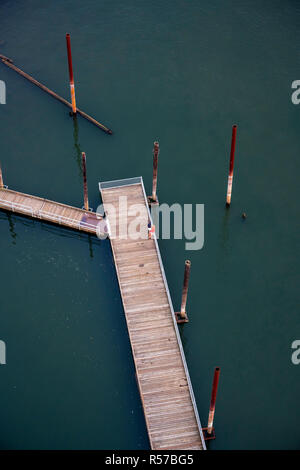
(213, 401)
(155, 164)
(71, 75)
(9, 63)
(181, 316)
(85, 188)
(231, 165)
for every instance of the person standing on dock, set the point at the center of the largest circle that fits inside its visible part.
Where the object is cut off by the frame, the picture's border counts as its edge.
(151, 230)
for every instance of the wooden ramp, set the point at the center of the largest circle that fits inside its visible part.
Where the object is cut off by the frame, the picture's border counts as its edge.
(166, 392)
(49, 211)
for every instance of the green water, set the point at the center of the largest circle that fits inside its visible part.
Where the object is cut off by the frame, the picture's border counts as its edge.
(181, 72)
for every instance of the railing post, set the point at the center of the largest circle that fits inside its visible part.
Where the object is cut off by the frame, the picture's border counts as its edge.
(181, 316)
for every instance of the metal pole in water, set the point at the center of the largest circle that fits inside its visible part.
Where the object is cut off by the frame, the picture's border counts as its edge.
(230, 176)
(213, 401)
(182, 314)
(72, 88)
(1, 178)
(8, 62)
(155, 162)
(85, 188)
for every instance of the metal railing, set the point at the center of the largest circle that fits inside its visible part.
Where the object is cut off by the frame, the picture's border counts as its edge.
(45, 215)
(16, 206)
(60, 219)
(119, 183)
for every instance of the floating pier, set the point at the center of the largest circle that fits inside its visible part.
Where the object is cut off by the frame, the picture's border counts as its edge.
(162, 374)
(49, 211)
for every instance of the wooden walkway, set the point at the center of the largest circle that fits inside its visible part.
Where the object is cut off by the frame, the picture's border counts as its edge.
(166, 392)
(49, 211)
(163, 379)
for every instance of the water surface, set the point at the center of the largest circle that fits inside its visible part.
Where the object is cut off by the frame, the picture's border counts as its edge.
(181, 72)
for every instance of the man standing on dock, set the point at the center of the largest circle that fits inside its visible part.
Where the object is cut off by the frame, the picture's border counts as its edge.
(151, 230)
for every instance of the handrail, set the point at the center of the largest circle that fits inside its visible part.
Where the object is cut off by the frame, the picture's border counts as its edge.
(46, 215)
(16, 205)
(61, 218)
(118, 183)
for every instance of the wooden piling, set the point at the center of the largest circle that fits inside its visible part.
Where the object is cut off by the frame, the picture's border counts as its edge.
(230, 176)
(85, 188)
(71, 75)
(9, 63)
(213, 401)
(181, 316)
(155, 163)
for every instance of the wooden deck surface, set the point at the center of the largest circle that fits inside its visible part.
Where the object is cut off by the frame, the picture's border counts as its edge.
(165, 389)
(49, 211)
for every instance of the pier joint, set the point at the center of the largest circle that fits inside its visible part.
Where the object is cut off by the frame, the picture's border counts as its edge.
(152, 202)
(180, 318)
(207, 436)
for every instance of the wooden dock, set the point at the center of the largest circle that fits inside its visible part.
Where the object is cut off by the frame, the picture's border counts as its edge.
(162, 375)
(49, 211)
(163, 379)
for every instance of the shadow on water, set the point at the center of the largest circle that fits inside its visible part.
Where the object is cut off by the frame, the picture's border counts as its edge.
(12, 228)
(12, 223)
(64, 232)
(224, 240)
(77, 146)
(59, 231)
(91, 246)
(184, 339)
